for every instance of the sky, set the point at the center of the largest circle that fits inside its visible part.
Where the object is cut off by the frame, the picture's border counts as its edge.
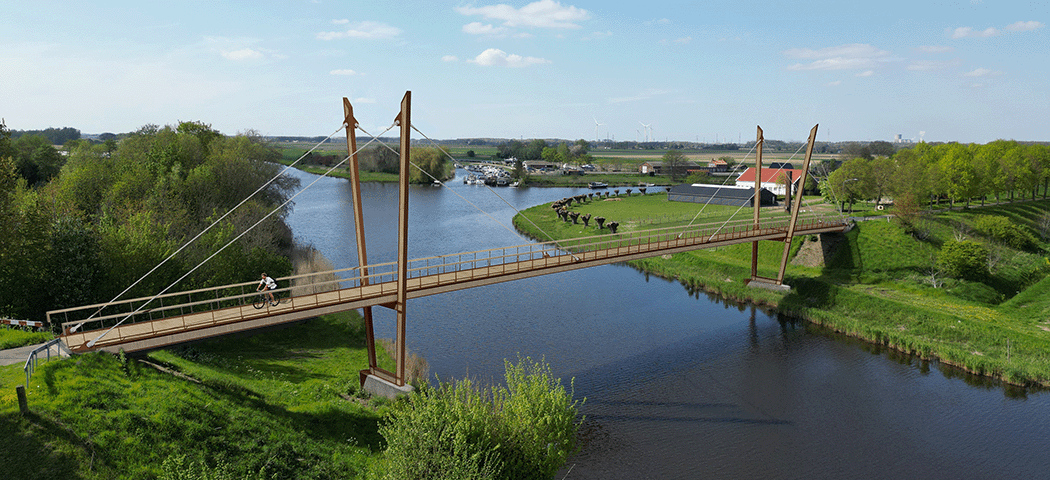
(970, 71)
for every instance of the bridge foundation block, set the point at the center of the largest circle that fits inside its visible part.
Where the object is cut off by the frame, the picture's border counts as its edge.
(768, 285)
(377, 386)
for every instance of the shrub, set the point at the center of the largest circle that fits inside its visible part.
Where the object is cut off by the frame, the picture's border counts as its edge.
(964, 259)
(1003, 230)
(526, 429)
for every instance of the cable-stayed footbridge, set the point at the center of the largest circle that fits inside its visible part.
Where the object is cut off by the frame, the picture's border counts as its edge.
(168, 319)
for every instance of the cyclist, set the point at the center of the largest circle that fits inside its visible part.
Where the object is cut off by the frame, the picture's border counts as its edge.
(266, 285)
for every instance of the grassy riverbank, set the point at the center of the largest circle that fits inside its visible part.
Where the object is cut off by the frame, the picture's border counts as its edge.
(876, 284)
(269, 405)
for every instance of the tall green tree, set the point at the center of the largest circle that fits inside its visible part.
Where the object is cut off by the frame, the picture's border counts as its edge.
(430, 163)
(674, 162)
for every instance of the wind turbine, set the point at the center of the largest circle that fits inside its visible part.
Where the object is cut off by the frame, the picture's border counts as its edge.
(648, 130)
(596, 125)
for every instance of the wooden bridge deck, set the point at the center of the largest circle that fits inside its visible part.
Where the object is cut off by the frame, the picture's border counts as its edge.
(195, 315)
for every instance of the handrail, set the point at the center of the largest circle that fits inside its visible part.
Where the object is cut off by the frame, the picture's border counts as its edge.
(32, 360)
(466, 262)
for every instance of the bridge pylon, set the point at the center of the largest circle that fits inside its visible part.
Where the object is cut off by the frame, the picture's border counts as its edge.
(778, 283)
(397, 377)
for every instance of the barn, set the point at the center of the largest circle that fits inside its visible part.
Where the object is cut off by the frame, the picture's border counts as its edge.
(718, 194)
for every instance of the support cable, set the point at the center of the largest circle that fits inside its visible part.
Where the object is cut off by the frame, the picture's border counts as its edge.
(202, 232)
(712, 197)
(487, 214)
(432, 142)
(758, 180)
(238, 237)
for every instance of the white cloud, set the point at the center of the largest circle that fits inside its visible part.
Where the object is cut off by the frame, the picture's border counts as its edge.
(449, 58)
(342, 21)
(967, 32)
(343, 71)
(541, 14)
(1024, 26)
(495, 57)
(833, 84)
(853, 56)
(982, 72)
(365, 30)
(927, 65)
(243, 54)
(935, 49)
(364, 100)
(866, 73)
(477, 28)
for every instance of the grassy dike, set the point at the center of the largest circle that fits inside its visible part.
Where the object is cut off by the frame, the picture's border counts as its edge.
(872, 287)
(279, 404)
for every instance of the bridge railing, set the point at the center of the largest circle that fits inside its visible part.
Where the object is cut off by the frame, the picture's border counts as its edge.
(233, 302)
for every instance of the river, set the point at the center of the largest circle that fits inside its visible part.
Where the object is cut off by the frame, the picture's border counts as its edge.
(678, 385)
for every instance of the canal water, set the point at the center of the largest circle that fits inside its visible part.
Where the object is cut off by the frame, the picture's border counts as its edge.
(679, 385)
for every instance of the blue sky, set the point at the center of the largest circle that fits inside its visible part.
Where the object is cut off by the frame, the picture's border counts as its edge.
(968, 71)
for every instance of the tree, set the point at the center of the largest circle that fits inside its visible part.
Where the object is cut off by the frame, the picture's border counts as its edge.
(23, 246)
(958, 173)
(674, 163)
(199, 129)
(852, 182)
(36, 159)
(429, 165)
(853, 150)
(534, 150)
(6, 148)
(881, 148)
(966, 259)
(380, 159)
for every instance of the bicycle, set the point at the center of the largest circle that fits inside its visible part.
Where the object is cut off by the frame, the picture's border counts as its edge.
(261, 300)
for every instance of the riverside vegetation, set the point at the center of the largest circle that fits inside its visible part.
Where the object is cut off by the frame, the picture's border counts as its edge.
(904, 283)
(280, 404)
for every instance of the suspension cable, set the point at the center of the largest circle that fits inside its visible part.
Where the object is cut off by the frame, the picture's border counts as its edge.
(202, 232)
(238, 237)
(708, 202)
(758, 181)
(487, 214)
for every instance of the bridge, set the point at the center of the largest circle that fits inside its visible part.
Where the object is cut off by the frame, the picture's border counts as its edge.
(170, 319)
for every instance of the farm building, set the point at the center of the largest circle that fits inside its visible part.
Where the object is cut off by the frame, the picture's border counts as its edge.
(718, 194)
(772, 179)
(659, 168)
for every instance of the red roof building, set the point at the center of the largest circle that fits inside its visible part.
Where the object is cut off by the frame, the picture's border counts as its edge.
(769, 179)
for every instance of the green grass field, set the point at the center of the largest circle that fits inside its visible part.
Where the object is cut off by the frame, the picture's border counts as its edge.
(267, 406)
(876, 286)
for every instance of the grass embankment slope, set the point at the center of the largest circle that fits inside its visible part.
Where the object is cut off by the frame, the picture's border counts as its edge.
(269, 406)
(13, 337)
(874, 285)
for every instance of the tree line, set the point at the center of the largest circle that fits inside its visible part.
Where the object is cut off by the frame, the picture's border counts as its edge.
(85, 225)
(952, 171)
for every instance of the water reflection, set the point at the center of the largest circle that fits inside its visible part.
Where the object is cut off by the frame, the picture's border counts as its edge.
(679, 383)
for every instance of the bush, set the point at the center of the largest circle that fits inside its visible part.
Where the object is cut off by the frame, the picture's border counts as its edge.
(964, 259)
(524, 430)
(1003, 230)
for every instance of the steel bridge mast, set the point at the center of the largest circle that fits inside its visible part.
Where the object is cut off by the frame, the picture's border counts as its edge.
(373, 377)
(778, 283)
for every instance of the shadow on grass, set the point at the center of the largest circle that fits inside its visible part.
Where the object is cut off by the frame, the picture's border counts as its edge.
(30, 448)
